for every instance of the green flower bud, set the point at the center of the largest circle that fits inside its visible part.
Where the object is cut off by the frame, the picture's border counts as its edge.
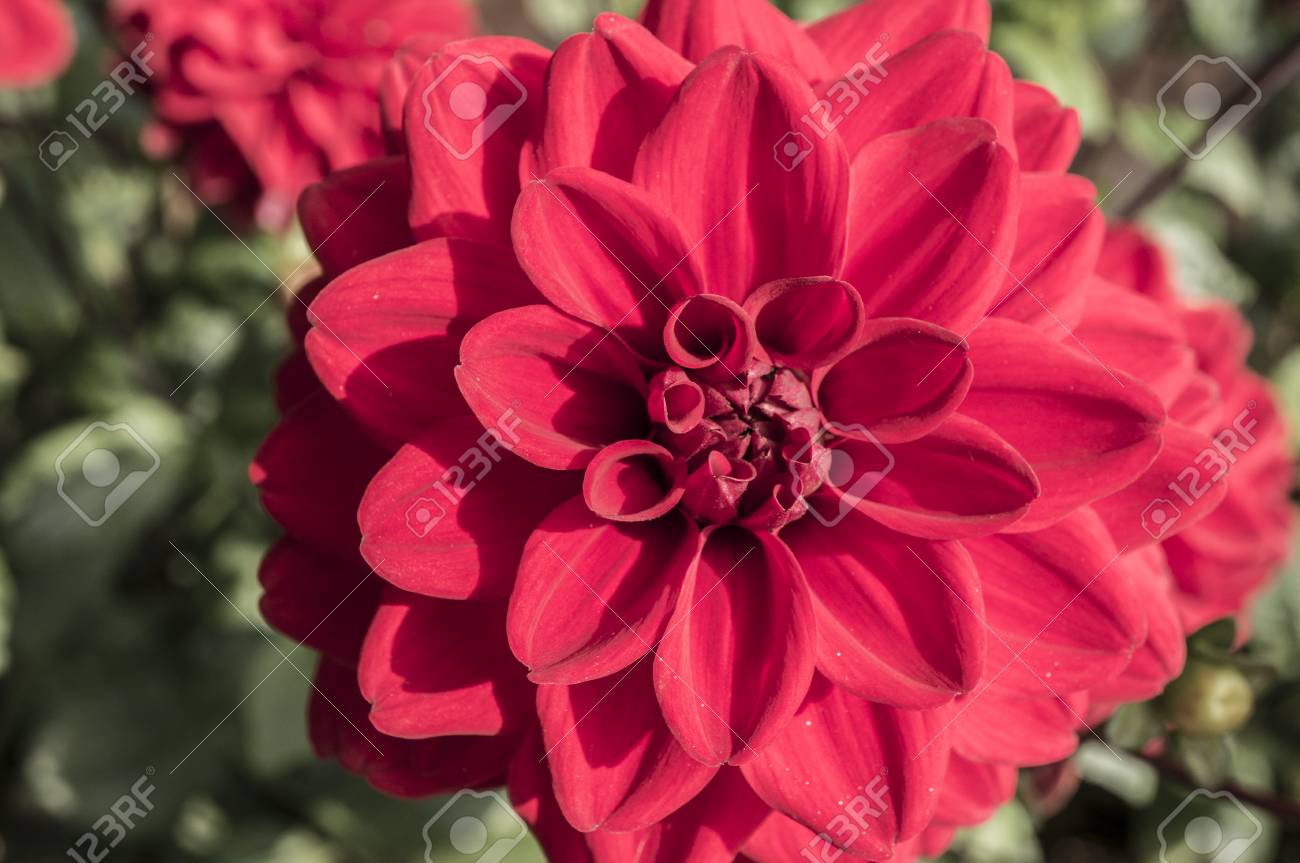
(1209, 699)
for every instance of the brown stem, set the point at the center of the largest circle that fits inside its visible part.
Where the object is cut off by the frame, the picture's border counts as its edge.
(1276, 74)
(1286, 810)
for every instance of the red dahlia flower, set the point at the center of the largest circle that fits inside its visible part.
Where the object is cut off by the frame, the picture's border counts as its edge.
(36, 41)
(715, 494)
(267, 96)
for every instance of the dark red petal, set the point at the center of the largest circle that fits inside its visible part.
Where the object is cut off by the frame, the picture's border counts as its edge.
(675, 401)
(713, 336)
(606, 252)
(605, 90)
(357, 214)
(448, 516)
(959, 481)
(1105, 428)
(1057, 242)
(314, 505)
(436, 667)
(903, 379)
(1047, 134)
(1055, 598)
(929, 221)
(806, 323)
(757, 221)
(339, 725)
(614, 763)
(738, 654)
(385, 334)
(533, 798)
(846, 36)
(878, 765)
(317, 599)
(709, 829)
(573, 387)
(898, 619)
(465, 172)
(593, 596)
(696, 29)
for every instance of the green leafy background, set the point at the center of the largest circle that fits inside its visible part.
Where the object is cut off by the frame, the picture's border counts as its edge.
(123, 299)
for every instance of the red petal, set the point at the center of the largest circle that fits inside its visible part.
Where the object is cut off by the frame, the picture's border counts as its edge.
(37, 40)
(1156, 505)
(357, 214)
(386, 333)
(532, 796)
(959, 481)
(738, 655)
(317, 599)
(317, 506)
(973, 791)
(572, 387)
(904, 378)
(779, 839)
(614, 762)
(338, 723)
(434, 667)
(995, 727)
(946, 75)
(1055, 598)
(605, 91)
(1161, 657)
(606, 252)
(1105, 426)
(929, 221)
(1057, 242)
(1132, 260)
(846, 36)
(593, 596)
(898, 619)
(633, 480)
(841, 755)
(465, 173)
(448, 516)
(807, 323)
(1047, 134)
(1128, 331)
(697, 29)
(758, 221)
(709, 829)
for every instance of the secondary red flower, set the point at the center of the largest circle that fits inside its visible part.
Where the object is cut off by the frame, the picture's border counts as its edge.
(36, 41)
(267, 96)
(718, 491)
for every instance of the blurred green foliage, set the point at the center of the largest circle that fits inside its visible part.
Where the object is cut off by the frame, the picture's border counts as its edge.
(122, 299)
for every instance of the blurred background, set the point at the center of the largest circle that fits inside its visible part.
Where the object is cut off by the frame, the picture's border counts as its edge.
(128, 652)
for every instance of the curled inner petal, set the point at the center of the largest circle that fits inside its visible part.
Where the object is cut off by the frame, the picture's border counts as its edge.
(633, 480)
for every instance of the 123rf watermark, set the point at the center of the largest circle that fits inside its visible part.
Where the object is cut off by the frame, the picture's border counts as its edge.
(846, 828)
(94, 111)
(112, 827)
(826, 114)
(427, 510)
(1210, 466)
